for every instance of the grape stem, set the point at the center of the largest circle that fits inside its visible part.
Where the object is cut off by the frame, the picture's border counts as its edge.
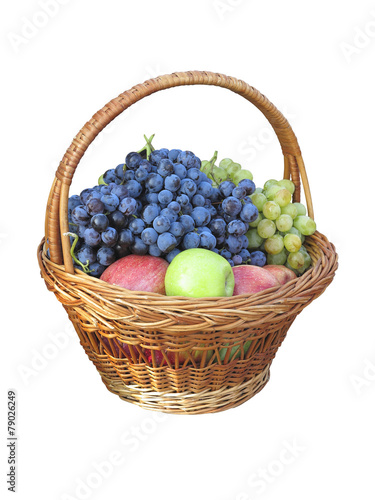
(212, 164)
(148, 148)
(85, 267)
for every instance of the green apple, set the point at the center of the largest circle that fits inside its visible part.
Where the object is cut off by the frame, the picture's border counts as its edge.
(199, 273)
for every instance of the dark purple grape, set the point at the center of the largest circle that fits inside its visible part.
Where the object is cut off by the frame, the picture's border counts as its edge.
(86, 253)
(109, 237)
(133, 160)
(106, 256)
(80, 215)
(117, 220)
(91, 237)
(99, 222)
(125, 238)
(94, 206)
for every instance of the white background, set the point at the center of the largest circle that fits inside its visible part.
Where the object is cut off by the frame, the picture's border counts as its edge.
(315, 61)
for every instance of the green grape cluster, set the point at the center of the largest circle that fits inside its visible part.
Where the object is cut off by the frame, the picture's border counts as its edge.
(227, 170)
(281, 226)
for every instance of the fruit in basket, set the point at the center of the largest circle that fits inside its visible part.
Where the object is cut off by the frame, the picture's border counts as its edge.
(252, 279)
(138, 272)
(199, 273)
(281, 273)
(162, 202)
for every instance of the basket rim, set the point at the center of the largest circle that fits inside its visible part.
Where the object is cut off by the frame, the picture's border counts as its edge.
(270, 295)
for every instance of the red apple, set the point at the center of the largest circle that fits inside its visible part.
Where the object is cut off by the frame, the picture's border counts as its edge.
(252, 279)
(142, 273)
(281, 273)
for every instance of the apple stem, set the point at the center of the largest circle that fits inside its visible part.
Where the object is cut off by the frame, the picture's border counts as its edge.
(85, 267)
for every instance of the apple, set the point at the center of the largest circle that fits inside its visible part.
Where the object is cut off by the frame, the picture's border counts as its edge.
(252, 279)
(142, 273)
(281, 273)
(197, 272)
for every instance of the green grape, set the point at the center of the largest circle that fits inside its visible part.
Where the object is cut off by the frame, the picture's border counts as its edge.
(225, 162)
(254, 239)
(305, 224)
(242, 174)
(290, 267)
(306, 255)
(258, 190)
(294, 230)
(272, 190)
(282, 197)
(219, 174)
(259, 200)
(277, 259)
(206, 167)
(274, 245)
(292, 242)
(301, 209)
(271, 210)
(233, 168)
(287, 184)
(257, 220)
(296, 260)
(284, 223)
(290, 209)
(266, 228)
(269, 183)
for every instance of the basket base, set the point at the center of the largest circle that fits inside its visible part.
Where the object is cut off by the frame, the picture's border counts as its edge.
(186, 403)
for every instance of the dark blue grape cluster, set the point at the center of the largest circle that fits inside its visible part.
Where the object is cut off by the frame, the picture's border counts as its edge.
(161, 206)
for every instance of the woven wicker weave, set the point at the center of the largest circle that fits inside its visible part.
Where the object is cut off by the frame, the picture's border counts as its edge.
(175, 354)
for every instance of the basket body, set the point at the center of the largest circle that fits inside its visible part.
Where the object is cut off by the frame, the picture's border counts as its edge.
(174, 354)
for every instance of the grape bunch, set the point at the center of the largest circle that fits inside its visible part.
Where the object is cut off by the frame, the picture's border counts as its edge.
(161, 202)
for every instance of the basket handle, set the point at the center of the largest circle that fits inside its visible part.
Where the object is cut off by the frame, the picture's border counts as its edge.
(56, 223)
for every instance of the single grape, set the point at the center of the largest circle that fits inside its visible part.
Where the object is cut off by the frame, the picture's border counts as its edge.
(266, 228)
(218, 174)
(296, 260)
(272, 191)
(136, 226)
(215, 195)
(233, 244)
(274, 244)
(237, 259)
(278, 259)
(225, 253)
(166, 242)
(106, 256)
(154, 250)
(198, 200)
(86, 253)
(133, 160)
(179, 170)
(84, 196)
(141, 174)
(125, 238)
(120, 191)
(149, 236)
(225, 162)
(249, 213)
(258, 258)
(96, 269)
(188, 159)
(91, 237)
(259, 200)
(282, 197)
(111, 202)
(232, 206)
(218, 226)
(191, 240)
(146, 165)
(237, 227)
(270, 183)
(129, 175)
(187, 209)
(128, 206)
(207, 240)
(248, 185)
(99, 222)
(134, 188)
(161, 224)
(165, 197)
(154, 183)
(305, 225)
(73, 202)
(271, 210)
(94, 206)
(165, 167)
(109, 237)
(253, 238)
(171, 255)
(110, 176)
(205, 189)
(139, 247)
(240, 175)
(117, 220)
(194, 174)
(188, 223)
(79, 215)
(169, 214)
(290, 209)
(188, 187)
(284, 223)
(239, 192)
(121, 251)
(172, 182)
(201, 216)
(230, 261)
(301, 209)
(287, 184)
(292, 242)
(177, 229)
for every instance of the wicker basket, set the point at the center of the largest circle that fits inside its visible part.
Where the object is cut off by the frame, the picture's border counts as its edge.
(223, 347)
